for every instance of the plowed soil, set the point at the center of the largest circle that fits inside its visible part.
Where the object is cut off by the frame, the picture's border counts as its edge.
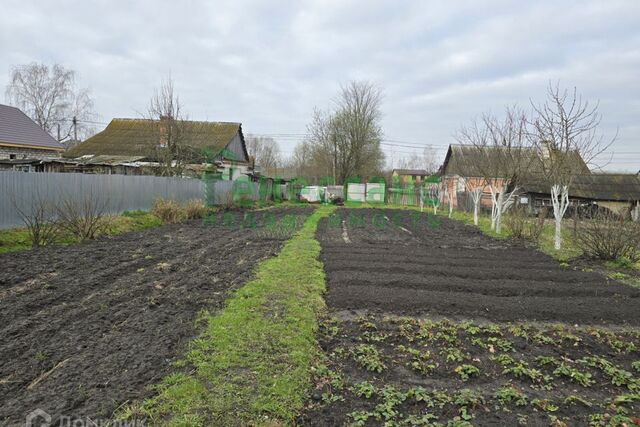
(418, 265)
(86, 328)
(433, 323)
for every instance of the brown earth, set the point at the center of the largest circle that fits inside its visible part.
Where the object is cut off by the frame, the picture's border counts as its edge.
(414, 297)
(87, 328)
(433, 265)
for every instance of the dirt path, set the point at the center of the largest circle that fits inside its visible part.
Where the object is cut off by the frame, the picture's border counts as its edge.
(86, 328)
(406, 264)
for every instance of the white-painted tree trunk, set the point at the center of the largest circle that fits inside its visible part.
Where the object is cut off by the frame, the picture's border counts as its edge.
(500, 203)
(476, 195)
(560, 202)
(635, 212)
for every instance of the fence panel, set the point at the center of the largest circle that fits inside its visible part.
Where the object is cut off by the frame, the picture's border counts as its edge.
(24, 191)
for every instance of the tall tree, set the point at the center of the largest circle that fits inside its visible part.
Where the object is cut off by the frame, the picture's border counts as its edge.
(169, 125)
(346, 141)
(265, 152)
(50, 97)
(565, 130)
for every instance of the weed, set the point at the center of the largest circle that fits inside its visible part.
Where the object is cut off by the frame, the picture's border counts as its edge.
(466, 371)
(636, 365)
(40, 356)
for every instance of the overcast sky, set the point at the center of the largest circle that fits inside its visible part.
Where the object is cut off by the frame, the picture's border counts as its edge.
(267, 64)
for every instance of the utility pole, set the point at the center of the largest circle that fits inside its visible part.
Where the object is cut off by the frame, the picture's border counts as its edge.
(75, 130)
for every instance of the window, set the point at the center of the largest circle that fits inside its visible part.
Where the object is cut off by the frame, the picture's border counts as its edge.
(12, 156)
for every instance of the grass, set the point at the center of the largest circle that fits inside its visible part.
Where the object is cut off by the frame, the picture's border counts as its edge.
(17, 239)
(251, 364)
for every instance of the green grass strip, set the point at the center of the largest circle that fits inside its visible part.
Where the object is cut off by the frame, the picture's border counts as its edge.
(251, 363)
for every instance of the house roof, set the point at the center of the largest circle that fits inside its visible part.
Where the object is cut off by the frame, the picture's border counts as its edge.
(140, 137)
(421, 172)
(595, 186)
(470, 161)
(18, 130)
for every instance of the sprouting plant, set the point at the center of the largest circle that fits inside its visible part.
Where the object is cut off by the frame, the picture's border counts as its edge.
(546, 360)
(466, 371)
(636, 365)
(422, 362)
(391, 398)
(420, 420)
(469, 398)
(574, 400)
(502, 344)
(582, 378)
(40, 356)
(420, 394)
(510, 394)
(406, 331)
(453, 354)
(364, 389)
(328, 398)
(366, 324)
(469, 328)
(360, 417)
(540, 338)
(545, 405)
(368, 357)
(327, 376)
(503, 359)
(618, 376)
(492, 329)
(521, 330)
(521, 369)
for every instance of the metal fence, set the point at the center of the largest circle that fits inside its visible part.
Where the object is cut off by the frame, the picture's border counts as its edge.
(24, 191)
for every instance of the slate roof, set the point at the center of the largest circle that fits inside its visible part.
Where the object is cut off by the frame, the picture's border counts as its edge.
(420, 172)
(18, 130)
(469, 161)
(595, 186)
(140, 137)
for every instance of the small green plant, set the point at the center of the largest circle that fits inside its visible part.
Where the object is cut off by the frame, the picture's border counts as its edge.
(364, 389)
(521, 369)
(509, 394)
(466, 371)
(368, 357)
(453, 354)
(545, 405)
(636, 365)
(618, 376)
(40, 356)
(583, 378)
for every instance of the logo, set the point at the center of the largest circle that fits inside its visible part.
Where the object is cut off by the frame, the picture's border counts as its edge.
(35, 415)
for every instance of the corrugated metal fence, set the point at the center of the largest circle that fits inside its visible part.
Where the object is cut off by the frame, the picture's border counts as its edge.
(20, 190)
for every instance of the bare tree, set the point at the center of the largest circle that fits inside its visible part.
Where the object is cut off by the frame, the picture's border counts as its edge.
(565, 130)
(346, 141)
(50, 97)
(499, 157)
(265, 152)
(425, 160)
(170, 129)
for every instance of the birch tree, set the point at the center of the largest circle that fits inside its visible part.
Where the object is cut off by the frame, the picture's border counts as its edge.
(50, 97)
(565, 132)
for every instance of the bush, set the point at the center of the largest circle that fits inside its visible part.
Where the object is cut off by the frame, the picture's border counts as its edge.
(609, 237)
(83, 218)
(195, 209)
(169, 211)
(521, 226)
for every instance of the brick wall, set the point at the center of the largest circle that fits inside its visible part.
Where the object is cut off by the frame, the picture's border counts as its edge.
(26, 153)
